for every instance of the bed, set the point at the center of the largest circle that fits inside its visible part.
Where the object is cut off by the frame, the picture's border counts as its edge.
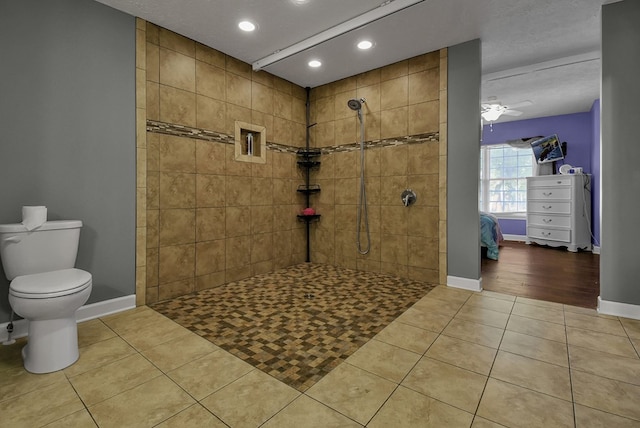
(490, 234)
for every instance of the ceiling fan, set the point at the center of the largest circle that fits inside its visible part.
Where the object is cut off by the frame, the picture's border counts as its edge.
(493, 109)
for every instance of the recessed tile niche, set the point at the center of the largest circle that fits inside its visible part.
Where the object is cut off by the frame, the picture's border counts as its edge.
(251, 143)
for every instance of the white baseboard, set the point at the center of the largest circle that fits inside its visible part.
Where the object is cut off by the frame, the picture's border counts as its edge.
(618, 309)
(520, 238)
(85, 313)
(595, 249)
(464, 283)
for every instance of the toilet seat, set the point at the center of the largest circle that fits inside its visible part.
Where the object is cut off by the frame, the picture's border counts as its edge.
(50, 284)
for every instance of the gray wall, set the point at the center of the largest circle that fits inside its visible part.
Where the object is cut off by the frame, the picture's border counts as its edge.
(67, 140)
(463, 168)
(620, 110)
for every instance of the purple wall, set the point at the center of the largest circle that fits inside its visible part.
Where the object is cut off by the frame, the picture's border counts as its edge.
(581, 131)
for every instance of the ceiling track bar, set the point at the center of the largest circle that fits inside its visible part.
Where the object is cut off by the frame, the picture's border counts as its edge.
(383, 10)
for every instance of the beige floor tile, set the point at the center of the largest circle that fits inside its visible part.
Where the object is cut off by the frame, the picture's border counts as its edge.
(604, 364)
(163, 330)
(483, 316)
(587, 311)
(514, 406)
(407, 408)
(595, 323)
(191, 348)
(406, 336)
(195, 416)
(207, 374)
(587, 417)
(486, 302)
(632, 327)
(17, 381)
(431, 304)
(608, 395)
(532, 327)
(107, 381)
(636, 344)
(131, 320)
(384, 360)
(448, 293)
(450, 384)
(81, 419)
(99, 354)
(535, 347)
(93, 331)
(353, 392)
(145, 405)
(463, 354)
(40, 407)
(474, 332)
(479, 422)
(540, 303)
(11, 355)
(308, 413)
(601, 342)
(533, 374)
(423, 319)
(251, 400)
(501, 296)
(542, 313)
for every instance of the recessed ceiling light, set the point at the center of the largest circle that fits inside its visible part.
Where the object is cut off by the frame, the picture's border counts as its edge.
(364, 45)
(314, 63)
(299, 1)
(246, 26)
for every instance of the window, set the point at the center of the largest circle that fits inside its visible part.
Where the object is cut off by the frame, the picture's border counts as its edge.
(503, 183)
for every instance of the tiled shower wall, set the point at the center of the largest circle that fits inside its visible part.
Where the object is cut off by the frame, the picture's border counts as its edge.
(205, 219)
(402, 99)
(210, 219)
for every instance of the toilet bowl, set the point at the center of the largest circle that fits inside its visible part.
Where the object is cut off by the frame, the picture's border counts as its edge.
(46, 289)
(49, 302)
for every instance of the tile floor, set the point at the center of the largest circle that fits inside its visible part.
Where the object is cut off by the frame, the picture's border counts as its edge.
(454, 359)
(298, 323)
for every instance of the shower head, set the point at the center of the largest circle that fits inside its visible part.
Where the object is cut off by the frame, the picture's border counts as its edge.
(355, 104)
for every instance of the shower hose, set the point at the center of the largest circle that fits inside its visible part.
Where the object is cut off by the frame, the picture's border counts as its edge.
(362, 203)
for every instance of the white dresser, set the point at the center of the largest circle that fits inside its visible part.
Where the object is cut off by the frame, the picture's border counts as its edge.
(559, 211)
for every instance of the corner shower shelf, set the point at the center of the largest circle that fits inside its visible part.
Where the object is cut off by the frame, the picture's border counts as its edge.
(307, 190)
(308, 158)
(309, 218)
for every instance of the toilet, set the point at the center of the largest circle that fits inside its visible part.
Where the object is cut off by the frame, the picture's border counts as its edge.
(46, 289)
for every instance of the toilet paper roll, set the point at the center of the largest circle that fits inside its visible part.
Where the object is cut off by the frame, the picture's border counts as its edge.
(33, 217)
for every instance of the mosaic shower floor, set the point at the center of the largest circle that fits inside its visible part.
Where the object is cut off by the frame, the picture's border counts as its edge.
(298, 323)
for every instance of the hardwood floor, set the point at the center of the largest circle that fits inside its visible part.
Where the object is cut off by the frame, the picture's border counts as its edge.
(545, 273)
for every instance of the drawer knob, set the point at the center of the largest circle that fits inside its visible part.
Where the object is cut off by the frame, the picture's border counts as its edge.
(546, 233)
(547, 220)
(547, 193)
(547, 207)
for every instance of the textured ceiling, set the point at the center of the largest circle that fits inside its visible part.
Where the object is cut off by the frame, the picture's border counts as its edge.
(544, 51)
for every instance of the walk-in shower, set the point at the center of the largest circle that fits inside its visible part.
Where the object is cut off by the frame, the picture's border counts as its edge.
(356, 104)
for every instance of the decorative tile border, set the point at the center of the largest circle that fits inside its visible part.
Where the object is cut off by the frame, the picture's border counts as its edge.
(204, 134)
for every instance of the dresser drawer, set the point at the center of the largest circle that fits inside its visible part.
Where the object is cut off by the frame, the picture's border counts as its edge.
(550, 181)
(549, 220)
(549, 193)
(550, 207)
(562, 235)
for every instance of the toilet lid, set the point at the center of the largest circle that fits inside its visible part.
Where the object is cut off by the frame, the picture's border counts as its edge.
(50, 284)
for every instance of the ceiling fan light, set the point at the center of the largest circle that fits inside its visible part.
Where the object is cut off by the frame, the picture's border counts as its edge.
(491, 115)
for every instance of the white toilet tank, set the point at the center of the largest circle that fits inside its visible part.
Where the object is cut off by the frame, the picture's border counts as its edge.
(53, 246)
